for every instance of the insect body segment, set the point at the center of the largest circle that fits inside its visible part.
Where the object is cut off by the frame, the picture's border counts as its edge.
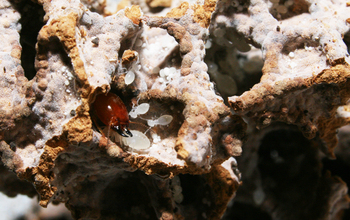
(110, 109)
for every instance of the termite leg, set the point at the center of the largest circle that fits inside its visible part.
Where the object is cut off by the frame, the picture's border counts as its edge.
(93, 117)
(96, 125)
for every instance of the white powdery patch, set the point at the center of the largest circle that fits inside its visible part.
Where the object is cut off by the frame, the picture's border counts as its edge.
(343, 112)
(323, 27)
(164, 150)
(227, 164)
(99, 47)
(167, 75)
(58, 7)
(157, 45)
(111, 6)
(30, 155)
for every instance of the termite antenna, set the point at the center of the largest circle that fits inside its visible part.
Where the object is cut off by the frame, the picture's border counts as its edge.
(145, 126)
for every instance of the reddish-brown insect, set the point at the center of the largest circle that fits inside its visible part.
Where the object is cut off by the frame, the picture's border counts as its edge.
(110, 109)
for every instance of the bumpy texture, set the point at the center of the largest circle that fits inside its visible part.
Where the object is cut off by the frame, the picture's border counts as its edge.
(167, 57)
(299, 63)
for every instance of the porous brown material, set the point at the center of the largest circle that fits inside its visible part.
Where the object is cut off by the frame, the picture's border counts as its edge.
(159, 3)
(129, 56)
(196, 86)
(285, 177)
(80, 54)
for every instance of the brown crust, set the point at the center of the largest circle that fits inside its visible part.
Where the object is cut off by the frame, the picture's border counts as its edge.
(202, 13)
(129, 56)
(134, 14)
(224, 187)
(251, 103)
(179, 11)
(159, 3)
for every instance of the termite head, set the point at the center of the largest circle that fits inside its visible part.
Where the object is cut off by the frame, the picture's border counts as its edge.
(111, 111)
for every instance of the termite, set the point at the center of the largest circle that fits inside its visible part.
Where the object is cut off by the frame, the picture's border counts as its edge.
(111, 110)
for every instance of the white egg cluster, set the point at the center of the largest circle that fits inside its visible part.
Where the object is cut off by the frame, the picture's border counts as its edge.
(69, 82)
(167, 74)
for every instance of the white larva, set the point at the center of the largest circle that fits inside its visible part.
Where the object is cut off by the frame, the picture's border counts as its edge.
(162, 120)
(142, 109)
(139, 110)
(139, 141)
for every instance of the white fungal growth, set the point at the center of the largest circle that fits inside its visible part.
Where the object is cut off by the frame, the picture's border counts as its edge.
(166, 71)
(308, 48)
(139, 110)
(70, 75)
(139, 141)
(208, 44)
(167, 74)
(129, 77)
(291, 54)
(156, 138)
(162, 120)
(112, 59)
